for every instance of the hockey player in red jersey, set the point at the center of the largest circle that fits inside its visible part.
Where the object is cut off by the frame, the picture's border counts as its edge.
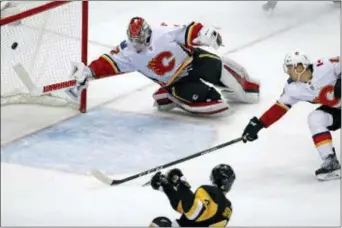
(318, 83)
(208, 206)
(171, 57)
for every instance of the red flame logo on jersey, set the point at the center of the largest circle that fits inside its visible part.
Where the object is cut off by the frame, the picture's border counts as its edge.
(324, 99)
(157, 63)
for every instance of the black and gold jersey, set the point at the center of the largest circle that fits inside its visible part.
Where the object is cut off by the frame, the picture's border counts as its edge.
(206, 207)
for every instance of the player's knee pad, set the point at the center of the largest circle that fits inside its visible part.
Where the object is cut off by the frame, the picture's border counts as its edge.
(161, 222)
(241, 87)
(335, 114)
(319, 121)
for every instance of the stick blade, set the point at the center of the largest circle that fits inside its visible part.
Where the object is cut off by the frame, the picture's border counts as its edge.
(106, 179)
(101, 177)
(25, 78)
(147, 183)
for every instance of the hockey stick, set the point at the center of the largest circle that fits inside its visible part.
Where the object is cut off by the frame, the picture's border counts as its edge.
(38, 91)
(104, 178)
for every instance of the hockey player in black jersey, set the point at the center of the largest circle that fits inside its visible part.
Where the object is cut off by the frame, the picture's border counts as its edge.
(207, 206)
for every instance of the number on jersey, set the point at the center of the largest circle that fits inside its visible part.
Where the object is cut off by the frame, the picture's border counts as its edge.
(117, 49)
(332, 60)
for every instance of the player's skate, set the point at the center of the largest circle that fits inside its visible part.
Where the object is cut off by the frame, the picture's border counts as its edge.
(337, 3)
(330, 169)
(269, 6)
(162, 100)
(164, 107)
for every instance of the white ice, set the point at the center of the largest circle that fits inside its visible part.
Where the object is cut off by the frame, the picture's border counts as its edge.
(275, 184)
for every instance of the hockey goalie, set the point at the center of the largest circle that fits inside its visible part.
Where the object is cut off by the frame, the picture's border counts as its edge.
(190, 77)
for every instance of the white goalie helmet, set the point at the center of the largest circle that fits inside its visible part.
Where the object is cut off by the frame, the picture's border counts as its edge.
(295, 58)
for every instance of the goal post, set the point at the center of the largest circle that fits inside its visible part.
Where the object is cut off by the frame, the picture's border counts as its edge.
(44, 37)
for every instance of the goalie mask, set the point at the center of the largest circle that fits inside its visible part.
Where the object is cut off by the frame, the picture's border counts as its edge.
(139, 33)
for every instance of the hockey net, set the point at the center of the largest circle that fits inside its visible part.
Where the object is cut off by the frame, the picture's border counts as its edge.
(45, 37)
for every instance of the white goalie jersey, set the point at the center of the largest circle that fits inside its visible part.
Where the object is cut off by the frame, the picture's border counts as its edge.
(168, 54)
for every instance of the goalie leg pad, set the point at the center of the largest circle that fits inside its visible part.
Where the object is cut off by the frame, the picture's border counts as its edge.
(198, 97)
(208, 108)
(162, 101)
(240, 86)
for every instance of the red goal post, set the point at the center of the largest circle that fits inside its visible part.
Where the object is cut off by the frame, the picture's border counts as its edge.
(44, 37)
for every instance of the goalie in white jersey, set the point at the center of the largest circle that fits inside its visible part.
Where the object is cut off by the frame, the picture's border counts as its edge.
(170, 57)
(318, 83)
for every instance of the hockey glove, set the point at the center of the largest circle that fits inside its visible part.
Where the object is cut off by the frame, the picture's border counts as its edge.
(158, 181)
(82, 74)
(209, 37)
(337, 89)
(176, 177)
(251, 131)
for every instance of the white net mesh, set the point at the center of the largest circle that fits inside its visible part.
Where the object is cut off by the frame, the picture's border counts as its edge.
(47, 44)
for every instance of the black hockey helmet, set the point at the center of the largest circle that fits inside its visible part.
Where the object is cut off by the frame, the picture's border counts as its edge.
(223, 176)
(161, 222)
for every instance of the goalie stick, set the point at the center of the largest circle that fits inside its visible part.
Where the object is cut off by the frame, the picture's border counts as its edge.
(38, 91)
(112, 182)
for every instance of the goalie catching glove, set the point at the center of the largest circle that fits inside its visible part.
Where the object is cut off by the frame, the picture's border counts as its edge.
(82, 74)
(208, 37)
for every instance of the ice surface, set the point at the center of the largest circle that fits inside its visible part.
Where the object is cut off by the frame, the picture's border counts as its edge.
(116, 142)
(275, 184)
